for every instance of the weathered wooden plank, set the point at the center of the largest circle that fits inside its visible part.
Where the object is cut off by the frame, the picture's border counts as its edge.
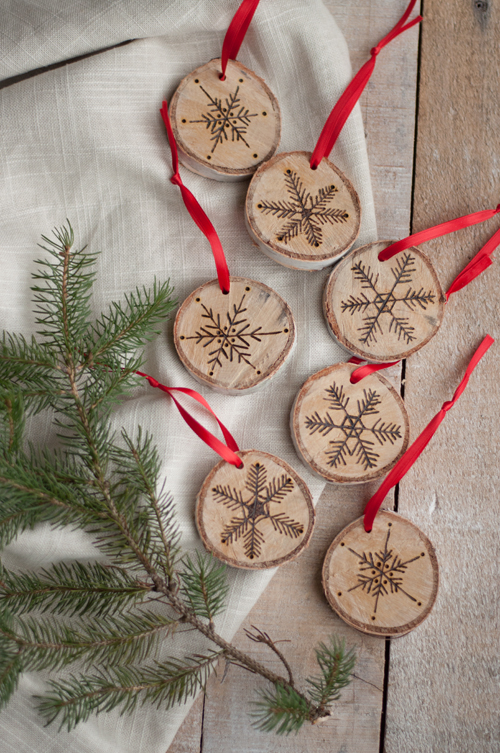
(443, 680)
(294, 607)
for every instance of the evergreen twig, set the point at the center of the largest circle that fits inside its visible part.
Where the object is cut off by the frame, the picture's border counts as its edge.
(111, 617)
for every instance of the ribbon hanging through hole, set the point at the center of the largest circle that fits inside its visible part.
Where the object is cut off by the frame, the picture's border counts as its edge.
(226, 451)
(345, 104)
(236, 33)
(415, 450)
(195, 210)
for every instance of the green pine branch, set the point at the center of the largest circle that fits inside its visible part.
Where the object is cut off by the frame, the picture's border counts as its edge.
(110, 616)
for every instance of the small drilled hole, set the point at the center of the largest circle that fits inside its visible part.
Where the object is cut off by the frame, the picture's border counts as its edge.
(219, 341)
(279, 238)
(211, 373)
(373, 572)
(259, 206)
(182, 337)
(247, 289)
(208, 156)
(339, 593)
(422, 554)
(198, 300)
(332, 187)
(197, 81)
(240, 80)
(419, 603)
(255, 155)
(264, 114)
(259, 372)
(389, 524)
(316, 245)
(373, 618)
(286, 329)
(183, 120)
(342, 544)
(288, 172)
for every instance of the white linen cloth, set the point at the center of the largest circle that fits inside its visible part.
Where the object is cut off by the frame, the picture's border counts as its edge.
(86, 141)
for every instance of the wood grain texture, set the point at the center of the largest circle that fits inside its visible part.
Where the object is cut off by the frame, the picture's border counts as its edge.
(388, 107)
(383, 310)
(255, 517)
(383, 582)
(443, 680)
(349, 433)
(236, 341)
(225, 129)
(302, 218)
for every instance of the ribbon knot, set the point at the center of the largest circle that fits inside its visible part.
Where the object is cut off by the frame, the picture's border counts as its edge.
(176, 180)
(375, 51)
(497, 209)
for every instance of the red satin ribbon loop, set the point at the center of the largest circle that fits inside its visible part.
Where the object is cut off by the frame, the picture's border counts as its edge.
(437, 231)
(236, 33)
(226, 451)
(369, 368)
(352, 93)
(414, 451)
(478, 264)
(195, 210)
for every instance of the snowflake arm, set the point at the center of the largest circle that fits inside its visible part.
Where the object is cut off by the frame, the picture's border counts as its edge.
(324, 425)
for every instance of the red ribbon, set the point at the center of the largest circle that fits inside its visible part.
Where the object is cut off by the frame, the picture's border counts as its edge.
(369, 368)
(348, 99)
(413, 452)
(478, 264)
(195, 209)
(226, 451)
(236, 33)
(435, 232)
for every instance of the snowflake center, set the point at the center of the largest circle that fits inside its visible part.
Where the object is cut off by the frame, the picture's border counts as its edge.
(384, 302)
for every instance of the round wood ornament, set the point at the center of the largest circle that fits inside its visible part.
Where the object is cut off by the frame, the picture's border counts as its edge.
(255, 517)
(225, 129)
(301, 217)
(384, 582)
(234, 342)
(349, 433)
(383, 310)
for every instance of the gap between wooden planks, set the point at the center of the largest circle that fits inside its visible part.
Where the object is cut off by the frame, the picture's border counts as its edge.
(293, 606)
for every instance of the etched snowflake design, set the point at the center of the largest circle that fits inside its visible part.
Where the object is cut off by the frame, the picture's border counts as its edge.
(381, 573)
(358, 438)
(231, 340)
(254, 506)
(232, 119)
(305, 214)
(378, 304)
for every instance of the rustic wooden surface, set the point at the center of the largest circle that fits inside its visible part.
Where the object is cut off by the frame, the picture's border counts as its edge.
(203, 128)
(286, 181)
(349, 433)
(219, 723)
(374, 317)
(444, 677)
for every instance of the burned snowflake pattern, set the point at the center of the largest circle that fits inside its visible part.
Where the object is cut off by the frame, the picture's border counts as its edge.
(229, 122)
(376, 305)
(381, 573)
(254, 506)
(358, 437)
(228, 339)
(305, 214)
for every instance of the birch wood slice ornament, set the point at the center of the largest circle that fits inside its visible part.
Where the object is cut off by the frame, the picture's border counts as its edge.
(349, 433)
(234, 342)
(225, 129)
(383, 310)
(300, 217)
(384, 582)
(255, 517)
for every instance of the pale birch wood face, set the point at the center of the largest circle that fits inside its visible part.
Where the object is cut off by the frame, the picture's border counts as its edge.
(384, 310)
(229, 126)
(255, 517)
(234, 342)
(310, 216)
(349, 433)
(384, 582)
